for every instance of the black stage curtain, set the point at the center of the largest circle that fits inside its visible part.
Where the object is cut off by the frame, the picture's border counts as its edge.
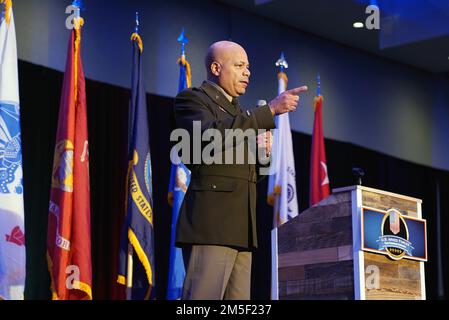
(40, 90)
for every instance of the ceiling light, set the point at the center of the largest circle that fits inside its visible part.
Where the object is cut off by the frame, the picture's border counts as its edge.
(358, 25)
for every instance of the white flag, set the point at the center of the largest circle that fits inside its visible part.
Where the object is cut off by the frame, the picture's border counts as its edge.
(282, 193)
(12, 226)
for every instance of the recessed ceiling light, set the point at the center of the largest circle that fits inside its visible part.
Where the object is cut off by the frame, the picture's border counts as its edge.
(358, 25)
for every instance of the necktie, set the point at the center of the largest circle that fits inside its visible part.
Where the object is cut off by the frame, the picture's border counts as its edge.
(235, 103)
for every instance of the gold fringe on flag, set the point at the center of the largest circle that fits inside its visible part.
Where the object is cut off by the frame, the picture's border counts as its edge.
(79, 22)
(143, 259)
(84, 287)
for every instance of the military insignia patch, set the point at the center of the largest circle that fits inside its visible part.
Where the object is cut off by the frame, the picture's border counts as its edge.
(62, 177)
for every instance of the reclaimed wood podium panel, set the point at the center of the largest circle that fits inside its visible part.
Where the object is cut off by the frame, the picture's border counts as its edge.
(326, 252)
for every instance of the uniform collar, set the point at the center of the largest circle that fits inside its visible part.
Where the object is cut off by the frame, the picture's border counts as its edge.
(229, 97)
(219, 97)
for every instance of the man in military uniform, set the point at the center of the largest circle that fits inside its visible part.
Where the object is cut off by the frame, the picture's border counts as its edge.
(217, 227)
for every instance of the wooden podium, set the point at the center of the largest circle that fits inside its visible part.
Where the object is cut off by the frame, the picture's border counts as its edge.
(323, 254)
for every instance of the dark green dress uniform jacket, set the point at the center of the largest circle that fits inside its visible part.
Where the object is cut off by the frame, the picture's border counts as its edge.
(220, 205)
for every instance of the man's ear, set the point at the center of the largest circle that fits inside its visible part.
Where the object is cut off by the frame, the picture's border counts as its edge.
(215, 68)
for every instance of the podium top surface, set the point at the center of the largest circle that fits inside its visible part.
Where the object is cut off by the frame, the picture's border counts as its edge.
(362, 188)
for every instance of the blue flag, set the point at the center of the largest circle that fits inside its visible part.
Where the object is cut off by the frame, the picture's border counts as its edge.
(138, 230)
(179, 182)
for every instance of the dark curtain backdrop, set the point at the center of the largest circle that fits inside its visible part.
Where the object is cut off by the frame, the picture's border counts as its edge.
(108, 105)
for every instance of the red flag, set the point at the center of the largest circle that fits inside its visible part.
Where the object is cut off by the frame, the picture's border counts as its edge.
(68, 238)
(319, 179)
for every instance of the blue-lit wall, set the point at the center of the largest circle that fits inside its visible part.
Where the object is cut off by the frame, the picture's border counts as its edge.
(369, 101)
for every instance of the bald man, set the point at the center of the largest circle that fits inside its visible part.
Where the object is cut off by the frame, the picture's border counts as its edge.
(217, 226)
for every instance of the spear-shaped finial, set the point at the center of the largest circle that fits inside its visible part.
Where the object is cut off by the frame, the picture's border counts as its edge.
(282, 63)
(137, 22)
(79, 5)
(318, 89)
(135, 36)
(183, 40)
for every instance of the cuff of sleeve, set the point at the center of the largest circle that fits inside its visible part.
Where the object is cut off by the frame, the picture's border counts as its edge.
(264, 117)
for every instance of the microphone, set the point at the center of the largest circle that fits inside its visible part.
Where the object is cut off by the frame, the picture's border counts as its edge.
(261, 103)
(263, 155)
(358, 173)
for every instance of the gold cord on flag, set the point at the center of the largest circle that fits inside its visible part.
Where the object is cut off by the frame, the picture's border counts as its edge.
(276, 192)
(136, 37)
(8, 6)
(170, 197)
(186, 64)
(78, 23)
(283, 75)
(317, 100)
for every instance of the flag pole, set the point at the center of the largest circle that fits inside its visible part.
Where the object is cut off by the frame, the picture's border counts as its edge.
(78, 4)
(182, 60)
(183, 40)
(282, 65)
(318, 89)
(129, 268)
(129, 272)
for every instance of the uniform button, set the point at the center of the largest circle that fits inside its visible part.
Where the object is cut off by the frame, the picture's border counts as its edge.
(214, 186)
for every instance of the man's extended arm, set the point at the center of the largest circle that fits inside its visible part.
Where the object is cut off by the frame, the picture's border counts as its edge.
(189, 107)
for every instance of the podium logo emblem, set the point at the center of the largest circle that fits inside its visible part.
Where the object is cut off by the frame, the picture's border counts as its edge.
(394, 237)
(390, 233)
